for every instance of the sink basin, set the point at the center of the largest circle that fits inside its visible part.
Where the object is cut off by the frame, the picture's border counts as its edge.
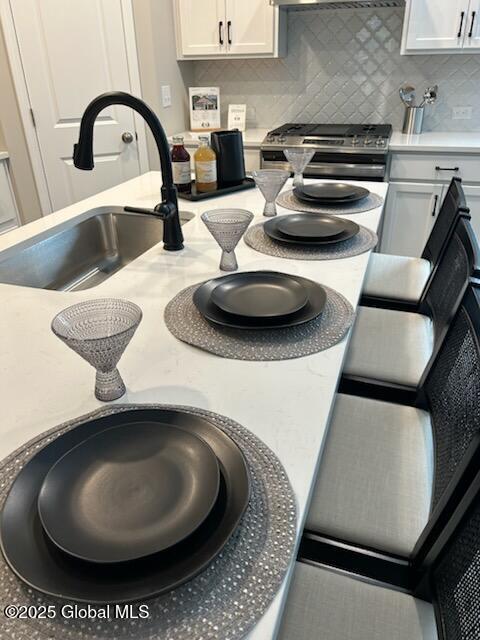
(83, 252)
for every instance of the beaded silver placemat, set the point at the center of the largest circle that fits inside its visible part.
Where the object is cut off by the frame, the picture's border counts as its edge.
(288, 200)
(187, 324)
(365, 240)
(222, 603)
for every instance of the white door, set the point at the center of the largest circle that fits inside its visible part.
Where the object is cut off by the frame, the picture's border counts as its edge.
(250, 27)
(472, 195)
(472, 32)
(437, 24)
(410, 212)
(71, 51)
(202, 27)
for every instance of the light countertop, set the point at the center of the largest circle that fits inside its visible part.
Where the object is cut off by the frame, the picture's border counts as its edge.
(287, 403)
(433, 141)
(437, 142)
(252, 138)
(4, 155)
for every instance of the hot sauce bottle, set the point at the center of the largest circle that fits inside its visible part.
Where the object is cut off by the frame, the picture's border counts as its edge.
(182, 173)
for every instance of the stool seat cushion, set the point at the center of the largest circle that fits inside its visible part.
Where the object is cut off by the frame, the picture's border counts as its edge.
(392, 346)
(396, 277)
(375, 481)
(327, 605)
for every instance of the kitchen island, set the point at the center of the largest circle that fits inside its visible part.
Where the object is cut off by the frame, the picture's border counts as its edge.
(285, 403)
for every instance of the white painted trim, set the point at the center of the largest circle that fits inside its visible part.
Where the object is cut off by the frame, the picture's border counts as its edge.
(135, 84)
(23, 100)
(21, 88)
(16, 221)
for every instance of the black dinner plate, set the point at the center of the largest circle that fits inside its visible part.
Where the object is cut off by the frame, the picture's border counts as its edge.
(270, 228)
(332, 192)
(41, 565)
(129, 492)
(317, 298)
(318, 202)
(260, 295)
(311, 227)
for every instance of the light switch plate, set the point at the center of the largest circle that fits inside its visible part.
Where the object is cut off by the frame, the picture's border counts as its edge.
(166, 96)
(462, 113)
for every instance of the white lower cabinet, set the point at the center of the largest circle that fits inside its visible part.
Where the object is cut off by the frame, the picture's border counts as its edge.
(410, 212)
(8, 207)
(252, 159)
(472, 195)
(418, 184)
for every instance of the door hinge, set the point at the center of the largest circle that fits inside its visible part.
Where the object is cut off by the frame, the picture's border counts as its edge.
(32, 115)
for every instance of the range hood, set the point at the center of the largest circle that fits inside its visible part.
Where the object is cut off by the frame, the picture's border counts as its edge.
(338, 4)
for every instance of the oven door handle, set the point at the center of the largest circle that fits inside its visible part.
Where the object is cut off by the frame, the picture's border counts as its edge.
(328, 169)
(344, 166)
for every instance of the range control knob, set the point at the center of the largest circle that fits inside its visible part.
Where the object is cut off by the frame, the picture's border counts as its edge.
(380, 142)
(355, 141)
(281, 139)
(367, 142)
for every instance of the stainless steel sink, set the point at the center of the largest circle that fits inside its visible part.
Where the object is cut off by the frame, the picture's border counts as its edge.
(84, 252)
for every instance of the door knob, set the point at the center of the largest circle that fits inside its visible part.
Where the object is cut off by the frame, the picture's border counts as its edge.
(127, 137)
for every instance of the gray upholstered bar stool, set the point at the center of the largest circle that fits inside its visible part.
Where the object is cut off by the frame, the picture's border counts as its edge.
(387, 470)
(444, 603)
(396, 281)
(390, 348)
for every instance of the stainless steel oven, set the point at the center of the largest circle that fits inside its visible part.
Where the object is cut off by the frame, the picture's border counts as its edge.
(341, 151)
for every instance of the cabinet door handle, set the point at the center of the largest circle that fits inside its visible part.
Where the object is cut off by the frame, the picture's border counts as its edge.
(470, 34)
(462, 16)
(435, 202)
(220, 32)
(229, 31)
(454, 169)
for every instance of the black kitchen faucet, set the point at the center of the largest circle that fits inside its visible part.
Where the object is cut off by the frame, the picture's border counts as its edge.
(83, 159)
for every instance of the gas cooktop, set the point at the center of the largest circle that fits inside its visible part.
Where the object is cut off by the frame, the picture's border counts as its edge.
(331, 137)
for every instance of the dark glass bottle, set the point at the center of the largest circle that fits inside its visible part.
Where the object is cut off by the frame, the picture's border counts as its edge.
(182, 172)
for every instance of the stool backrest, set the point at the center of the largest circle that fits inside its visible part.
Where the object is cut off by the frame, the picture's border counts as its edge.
(451, 391)
(459, 262)
(453, 570)
(454, 205)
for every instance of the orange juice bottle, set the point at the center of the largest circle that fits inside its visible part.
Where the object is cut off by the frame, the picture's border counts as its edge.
(205, 167)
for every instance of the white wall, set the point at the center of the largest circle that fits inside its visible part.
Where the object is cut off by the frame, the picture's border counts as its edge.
(155, 32)
(12, 139)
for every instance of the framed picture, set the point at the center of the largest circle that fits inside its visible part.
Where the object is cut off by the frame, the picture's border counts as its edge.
(237, 116)
(204, 108)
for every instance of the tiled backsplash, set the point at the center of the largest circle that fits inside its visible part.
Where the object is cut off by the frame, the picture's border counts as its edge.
(345, 66)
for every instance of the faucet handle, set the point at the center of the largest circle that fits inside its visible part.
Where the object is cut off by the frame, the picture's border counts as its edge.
(148, 212)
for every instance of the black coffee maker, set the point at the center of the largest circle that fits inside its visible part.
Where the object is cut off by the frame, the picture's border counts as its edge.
(228, 145)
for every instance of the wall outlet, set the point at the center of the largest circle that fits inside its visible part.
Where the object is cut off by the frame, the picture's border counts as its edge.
(462, 113)
(166, 96)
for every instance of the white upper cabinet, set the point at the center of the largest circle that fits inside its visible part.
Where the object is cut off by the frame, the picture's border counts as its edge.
(472, 34)
(228, 29)
(200, 27)
(441, 25)
(252, 30)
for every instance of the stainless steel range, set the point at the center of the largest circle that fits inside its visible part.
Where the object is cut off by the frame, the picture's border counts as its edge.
(341, 151)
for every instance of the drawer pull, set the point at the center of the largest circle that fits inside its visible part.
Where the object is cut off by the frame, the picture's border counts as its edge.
(454, 169)
(435, 202)
(462, 16)
(474, 13)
